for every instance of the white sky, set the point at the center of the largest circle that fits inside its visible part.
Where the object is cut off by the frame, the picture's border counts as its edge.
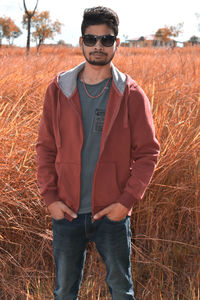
(137, 18)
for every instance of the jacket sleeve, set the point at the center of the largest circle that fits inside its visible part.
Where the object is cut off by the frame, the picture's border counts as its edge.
(144, 147)
(46, 152)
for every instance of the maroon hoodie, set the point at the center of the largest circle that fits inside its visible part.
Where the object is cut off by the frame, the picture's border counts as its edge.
(128, 151)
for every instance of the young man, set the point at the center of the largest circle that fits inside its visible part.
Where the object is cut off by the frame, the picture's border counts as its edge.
(96, 155)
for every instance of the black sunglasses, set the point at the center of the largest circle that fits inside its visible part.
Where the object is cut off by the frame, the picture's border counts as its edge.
(106, 40)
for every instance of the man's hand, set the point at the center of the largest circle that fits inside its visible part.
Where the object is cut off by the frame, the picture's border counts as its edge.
(58, 209)
(114, 212)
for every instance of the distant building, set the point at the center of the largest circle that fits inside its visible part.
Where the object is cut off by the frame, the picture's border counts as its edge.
(150, 41)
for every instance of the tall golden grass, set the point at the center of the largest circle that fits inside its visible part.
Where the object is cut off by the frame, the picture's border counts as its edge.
(165, 224)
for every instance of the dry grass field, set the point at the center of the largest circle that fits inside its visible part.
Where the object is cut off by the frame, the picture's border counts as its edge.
(165, 224)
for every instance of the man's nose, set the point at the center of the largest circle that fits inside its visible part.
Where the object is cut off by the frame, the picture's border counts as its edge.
(98, 45)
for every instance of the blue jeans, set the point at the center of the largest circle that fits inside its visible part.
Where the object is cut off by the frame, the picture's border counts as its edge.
(113, 242)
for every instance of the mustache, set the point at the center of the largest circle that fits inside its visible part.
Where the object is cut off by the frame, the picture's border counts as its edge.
(98, 52)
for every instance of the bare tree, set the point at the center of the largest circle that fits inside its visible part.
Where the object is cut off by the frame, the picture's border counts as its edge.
(29, 14)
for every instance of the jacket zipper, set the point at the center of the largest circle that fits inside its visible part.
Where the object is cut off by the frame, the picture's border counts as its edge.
(79, 195)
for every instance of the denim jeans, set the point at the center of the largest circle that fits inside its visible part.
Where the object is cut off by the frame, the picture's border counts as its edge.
(113, 242)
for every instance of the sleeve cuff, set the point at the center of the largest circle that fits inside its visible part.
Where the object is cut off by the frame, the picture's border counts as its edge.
(127, 200)
(50, 197)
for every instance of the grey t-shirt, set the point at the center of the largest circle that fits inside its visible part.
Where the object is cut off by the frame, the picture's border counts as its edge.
(93, 113)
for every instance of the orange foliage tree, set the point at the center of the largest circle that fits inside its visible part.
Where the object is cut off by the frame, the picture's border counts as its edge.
(9, 30)
(168, 31)
(43, 27)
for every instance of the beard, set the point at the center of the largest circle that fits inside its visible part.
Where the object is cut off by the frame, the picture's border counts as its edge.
(98, 62)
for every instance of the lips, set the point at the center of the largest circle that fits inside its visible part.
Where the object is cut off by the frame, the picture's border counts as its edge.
(98, 54)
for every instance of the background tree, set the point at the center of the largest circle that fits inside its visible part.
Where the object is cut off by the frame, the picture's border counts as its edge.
(194, 40)
(9, 29)
(29, 15)
(61, 43)
(43, 27)
(167, 32)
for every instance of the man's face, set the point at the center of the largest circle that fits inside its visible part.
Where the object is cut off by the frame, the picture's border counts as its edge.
(99, 54)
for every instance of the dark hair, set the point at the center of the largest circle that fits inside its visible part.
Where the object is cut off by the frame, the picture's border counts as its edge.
(100, 15)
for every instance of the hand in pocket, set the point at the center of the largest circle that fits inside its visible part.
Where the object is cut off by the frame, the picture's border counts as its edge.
(58, 209)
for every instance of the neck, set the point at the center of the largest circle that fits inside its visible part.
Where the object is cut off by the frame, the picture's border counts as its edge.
(94, 74)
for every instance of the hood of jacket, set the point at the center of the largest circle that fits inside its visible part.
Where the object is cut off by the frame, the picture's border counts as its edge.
(68, 80)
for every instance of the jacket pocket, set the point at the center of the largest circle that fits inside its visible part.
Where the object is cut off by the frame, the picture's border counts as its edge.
(69, 184)
(106, 184)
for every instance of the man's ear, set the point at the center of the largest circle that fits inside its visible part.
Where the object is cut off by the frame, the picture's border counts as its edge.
(117, 43)
(81, 42)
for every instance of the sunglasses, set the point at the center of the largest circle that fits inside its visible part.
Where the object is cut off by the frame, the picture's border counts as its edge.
(106, 40)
